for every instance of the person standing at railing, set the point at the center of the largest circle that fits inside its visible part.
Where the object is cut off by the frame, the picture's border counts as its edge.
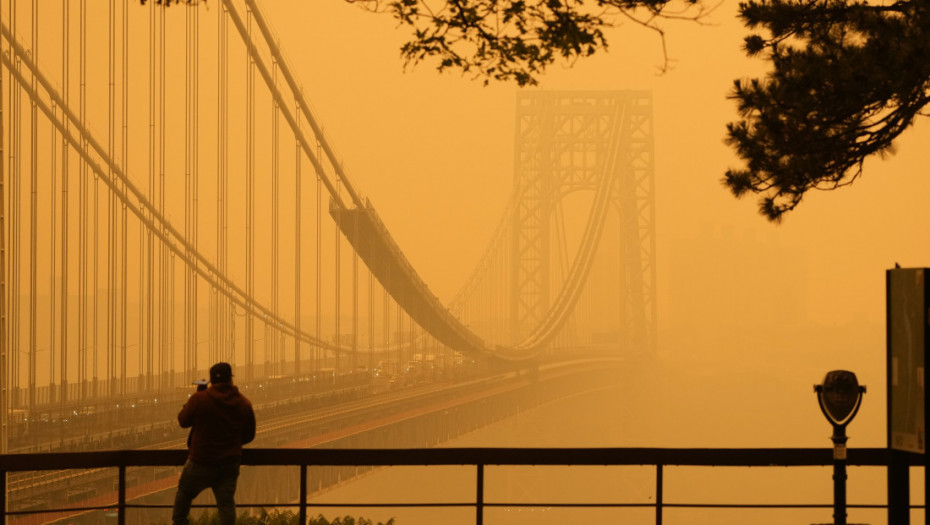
(221, 421)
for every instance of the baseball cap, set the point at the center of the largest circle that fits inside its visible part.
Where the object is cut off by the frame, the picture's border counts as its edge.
(221, 373)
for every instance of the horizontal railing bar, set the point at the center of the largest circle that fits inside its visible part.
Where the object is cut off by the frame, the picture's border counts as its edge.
(504, 504)
(206, 505)
(65, 509)
(747, 457)
(771, 505)
(583, 505)
(387, 505)
(392, 505)
(472, 504)
(571, 505)
(296, 505)
(494, 504)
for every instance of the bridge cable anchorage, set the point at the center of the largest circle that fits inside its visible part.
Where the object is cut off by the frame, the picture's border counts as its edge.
(145, 211)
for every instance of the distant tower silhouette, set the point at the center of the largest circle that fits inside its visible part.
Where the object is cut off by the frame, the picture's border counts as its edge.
(564, 140)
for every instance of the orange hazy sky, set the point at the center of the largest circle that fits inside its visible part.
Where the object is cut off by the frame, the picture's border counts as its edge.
(434, 153)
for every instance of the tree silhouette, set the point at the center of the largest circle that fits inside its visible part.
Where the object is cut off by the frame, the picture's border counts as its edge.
(847, 78)
(516, 40)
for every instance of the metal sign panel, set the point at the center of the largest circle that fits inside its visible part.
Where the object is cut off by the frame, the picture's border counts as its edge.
(907, 349)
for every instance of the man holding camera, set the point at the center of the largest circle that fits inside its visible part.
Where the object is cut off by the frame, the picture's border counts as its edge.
(221, 421)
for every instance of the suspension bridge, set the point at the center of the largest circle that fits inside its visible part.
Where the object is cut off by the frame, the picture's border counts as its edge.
(170, 200)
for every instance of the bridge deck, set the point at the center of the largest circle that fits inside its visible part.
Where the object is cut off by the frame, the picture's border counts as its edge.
(374, 244)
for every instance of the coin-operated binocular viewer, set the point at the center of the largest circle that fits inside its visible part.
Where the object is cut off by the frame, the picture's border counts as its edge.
(839, 396)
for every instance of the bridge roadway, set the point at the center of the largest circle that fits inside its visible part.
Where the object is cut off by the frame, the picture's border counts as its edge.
(405, 418)
(142, 418)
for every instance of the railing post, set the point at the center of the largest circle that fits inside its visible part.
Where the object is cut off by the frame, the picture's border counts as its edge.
(899, 490)
(479, 497)
(2, 497)
(121, 498)
(658, 494)
(839, 475)
(302, 517)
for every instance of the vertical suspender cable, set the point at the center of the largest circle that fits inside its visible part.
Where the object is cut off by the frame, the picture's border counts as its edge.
(124, 215)
(164, 271)
(15, 227)
(192, 145)
(195, 162)
(224, 340)
(95, 226)
(371, 324)
(337, 277)
(220, 188)
(297, 219)
(354, 308)
(188, 190)
(149, 247)
(189, 229)
(53, 237)
(195, 183)
(168, 370)
(399, 340)
(386, 322)
(215, 323)
(156, 276)
(249, 197)
(319, 270)
(65, 38)
(504, 288)
(82, 207)
(113, 206)
(215, 338)
(33, 216)
(275, 181)
(4, 346)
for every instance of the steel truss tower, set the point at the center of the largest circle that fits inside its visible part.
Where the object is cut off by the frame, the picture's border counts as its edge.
(564, 142)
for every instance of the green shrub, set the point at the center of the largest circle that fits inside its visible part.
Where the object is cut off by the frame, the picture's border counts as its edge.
(287, 517)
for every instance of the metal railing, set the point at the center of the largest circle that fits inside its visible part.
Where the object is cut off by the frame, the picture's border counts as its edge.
(898, 464)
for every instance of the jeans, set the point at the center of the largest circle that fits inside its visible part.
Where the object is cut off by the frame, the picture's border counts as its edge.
(195, 478)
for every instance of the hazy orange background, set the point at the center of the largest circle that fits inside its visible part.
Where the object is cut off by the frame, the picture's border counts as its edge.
(736, 293)
(434, 153)
(750, 314)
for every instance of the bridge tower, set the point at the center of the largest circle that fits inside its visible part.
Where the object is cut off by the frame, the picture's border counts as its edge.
(564, 141)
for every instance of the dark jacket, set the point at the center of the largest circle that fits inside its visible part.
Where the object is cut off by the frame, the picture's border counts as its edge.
(222, 421)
